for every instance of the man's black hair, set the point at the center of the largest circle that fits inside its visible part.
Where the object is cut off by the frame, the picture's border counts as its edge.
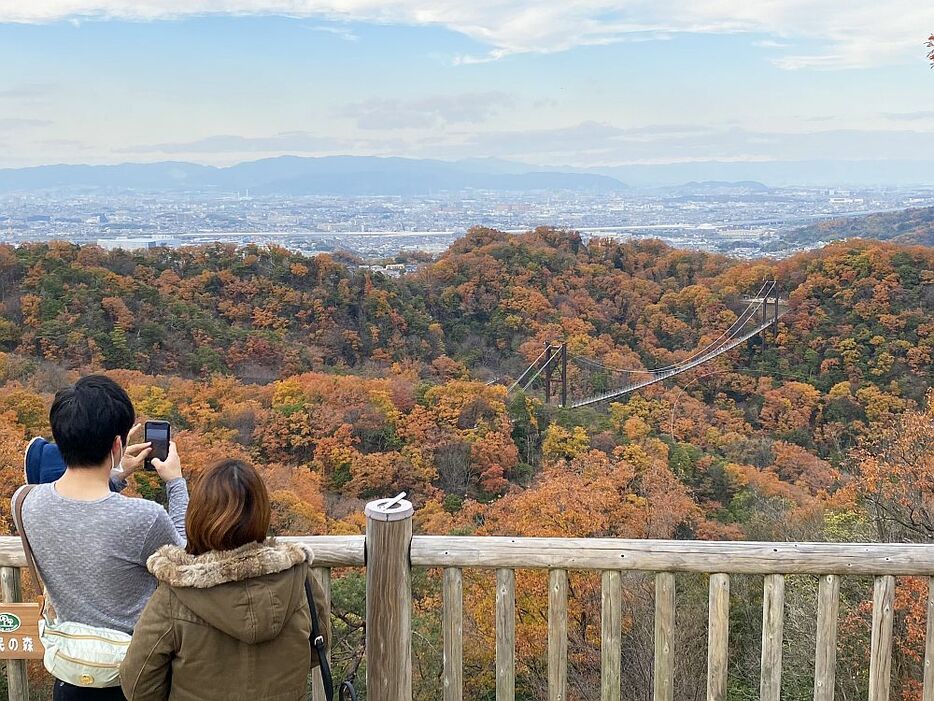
(86, 418)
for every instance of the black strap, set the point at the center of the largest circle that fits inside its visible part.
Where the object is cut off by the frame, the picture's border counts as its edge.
(348, 687)
(317, 644)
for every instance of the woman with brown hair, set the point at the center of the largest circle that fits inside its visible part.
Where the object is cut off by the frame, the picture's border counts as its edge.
(229, 619)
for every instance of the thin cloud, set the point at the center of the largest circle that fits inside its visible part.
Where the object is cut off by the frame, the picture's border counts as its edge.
(27, 91)
(340, 32)
(15, 123)
(295, 142)
(909, 116)
(426, 112)
(591, 143)
(860, 34)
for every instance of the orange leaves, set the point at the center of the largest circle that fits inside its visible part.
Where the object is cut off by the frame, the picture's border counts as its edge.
(795, 465)
(121, 316)
(790, 407)
(595, 496)
(895, 475)
(12, 444)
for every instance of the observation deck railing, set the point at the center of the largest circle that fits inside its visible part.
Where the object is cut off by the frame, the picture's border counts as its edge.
(389, 552)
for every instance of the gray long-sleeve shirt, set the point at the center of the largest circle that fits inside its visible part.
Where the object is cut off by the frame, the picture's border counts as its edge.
(92, 554)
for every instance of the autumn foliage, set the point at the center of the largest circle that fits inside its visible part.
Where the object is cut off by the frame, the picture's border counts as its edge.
(343, 385)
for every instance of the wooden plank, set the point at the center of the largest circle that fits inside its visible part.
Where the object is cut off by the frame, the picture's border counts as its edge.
(331, 550)
(773, 618)
(505, 635)
(557, 635)
(11, 591)
(718, 637)
(322, 576)
(452, 625)
(618, 554)
(673, 555)
(929, 646)
(611, 636)
(880, 654)
(825, 657)
(664, 688)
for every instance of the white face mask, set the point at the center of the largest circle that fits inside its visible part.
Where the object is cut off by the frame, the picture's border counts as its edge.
(117, 465)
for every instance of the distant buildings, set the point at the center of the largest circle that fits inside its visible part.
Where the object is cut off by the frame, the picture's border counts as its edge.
(138, 244)
(390, 270)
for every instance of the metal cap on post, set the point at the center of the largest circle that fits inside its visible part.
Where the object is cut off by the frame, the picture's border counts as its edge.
(388, 599)
(394, 509)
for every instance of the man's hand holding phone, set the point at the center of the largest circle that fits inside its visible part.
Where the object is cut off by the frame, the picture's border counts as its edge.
(136, 453)
(170, 468)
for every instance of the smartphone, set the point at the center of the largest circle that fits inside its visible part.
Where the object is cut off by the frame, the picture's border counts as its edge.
(157, 433)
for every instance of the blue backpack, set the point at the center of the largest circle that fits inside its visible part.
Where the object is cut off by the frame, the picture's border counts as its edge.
(43, 463)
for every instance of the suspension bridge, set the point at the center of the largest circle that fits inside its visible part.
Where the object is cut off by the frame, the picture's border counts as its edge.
(762, 310)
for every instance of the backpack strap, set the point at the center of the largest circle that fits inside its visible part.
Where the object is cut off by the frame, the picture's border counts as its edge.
(316, 641)
(18, 500)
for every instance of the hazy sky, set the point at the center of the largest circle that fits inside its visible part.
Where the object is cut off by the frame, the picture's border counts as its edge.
(594, 82)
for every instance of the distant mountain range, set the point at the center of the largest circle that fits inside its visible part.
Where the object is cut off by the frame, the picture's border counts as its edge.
(292, 175)
(853, 173)
(366, 175)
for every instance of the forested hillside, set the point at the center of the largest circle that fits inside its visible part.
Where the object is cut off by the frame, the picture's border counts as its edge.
(344, 385)
(910, 226)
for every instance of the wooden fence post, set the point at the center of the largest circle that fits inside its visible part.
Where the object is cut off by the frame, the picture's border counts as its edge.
(388, 600)
(17, 684)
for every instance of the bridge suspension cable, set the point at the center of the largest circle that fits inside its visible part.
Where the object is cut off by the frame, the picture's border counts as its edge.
(739, 331)
(731, 342)
(762, 295)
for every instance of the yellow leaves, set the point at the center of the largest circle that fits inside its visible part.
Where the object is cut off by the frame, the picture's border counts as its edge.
(379, 399)
(151, 401)
(466, 405)
(287, 395)
(880, 407)
(563, 444)
(882, 365)
(292, 516)
(27, 407)
(841, 390)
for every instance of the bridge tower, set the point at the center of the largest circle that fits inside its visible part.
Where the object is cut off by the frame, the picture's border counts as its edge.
(556, 358)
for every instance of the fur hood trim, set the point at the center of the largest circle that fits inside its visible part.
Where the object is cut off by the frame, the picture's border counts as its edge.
(172, 565)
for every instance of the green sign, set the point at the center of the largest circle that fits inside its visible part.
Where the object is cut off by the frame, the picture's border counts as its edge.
(9, 622)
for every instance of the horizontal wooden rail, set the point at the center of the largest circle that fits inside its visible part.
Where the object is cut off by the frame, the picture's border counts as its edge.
(329, 550)
(333, 550)
(617, 554)
(674, 555)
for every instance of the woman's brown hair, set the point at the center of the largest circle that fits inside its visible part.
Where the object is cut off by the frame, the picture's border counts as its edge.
(229, 507)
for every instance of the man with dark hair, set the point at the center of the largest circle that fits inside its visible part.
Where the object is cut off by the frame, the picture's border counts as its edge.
(43, 461)
(90, 543)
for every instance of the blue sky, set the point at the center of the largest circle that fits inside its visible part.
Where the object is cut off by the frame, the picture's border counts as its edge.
(588, 82)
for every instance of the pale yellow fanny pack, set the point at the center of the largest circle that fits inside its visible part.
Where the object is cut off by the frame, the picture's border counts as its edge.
(83, 655)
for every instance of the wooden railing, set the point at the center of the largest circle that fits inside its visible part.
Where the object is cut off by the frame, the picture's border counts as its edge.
(389, 551)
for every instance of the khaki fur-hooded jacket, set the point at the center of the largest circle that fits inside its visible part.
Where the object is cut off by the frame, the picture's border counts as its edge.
(226, 625)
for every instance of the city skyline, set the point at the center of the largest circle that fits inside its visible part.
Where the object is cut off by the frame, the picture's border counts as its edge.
(585, 84)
